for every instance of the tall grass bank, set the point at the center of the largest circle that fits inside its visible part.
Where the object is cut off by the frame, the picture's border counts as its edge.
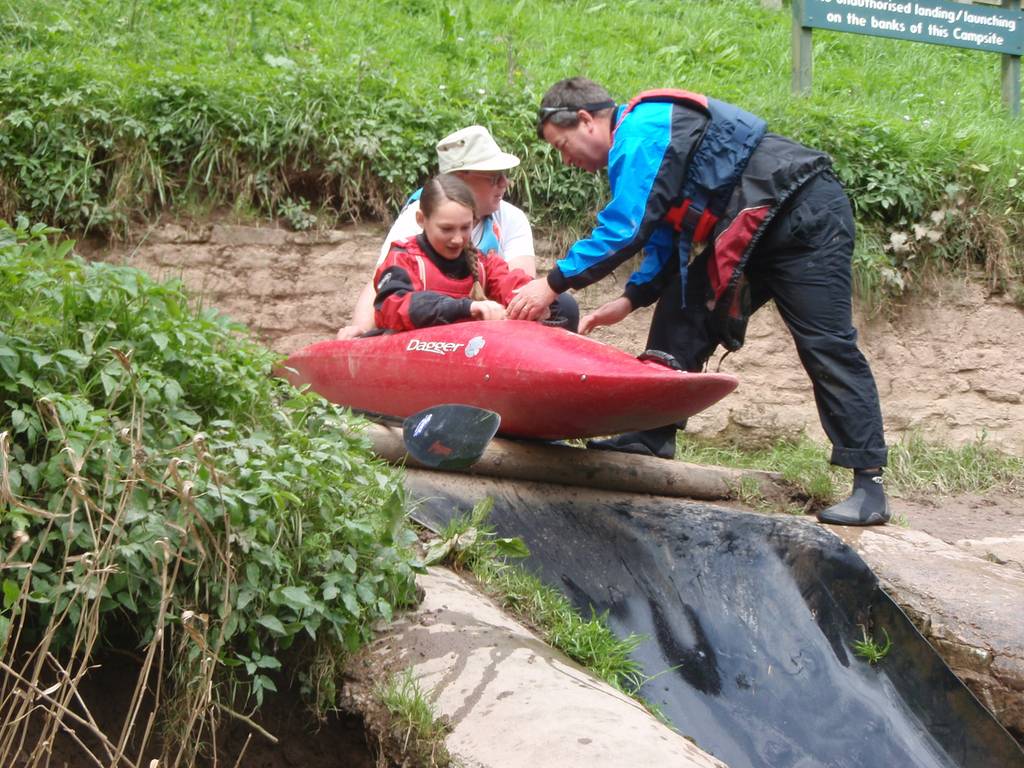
(320, 111)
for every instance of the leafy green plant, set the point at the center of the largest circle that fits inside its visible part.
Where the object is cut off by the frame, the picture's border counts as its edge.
(297, 214)
(870, 649)
(468, 541)
(156, 484)
(885, 181)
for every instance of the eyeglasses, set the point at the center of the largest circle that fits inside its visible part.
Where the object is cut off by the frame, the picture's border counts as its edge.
(495, 179)
(544, 113)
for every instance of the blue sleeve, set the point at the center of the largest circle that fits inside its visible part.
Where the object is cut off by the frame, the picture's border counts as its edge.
(645, 284)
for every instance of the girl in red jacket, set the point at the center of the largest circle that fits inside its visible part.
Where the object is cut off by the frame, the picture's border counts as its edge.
(437, 277)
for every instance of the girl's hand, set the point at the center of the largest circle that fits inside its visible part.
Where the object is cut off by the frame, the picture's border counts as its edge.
(607, 314)
(486, 310)
(350, 332)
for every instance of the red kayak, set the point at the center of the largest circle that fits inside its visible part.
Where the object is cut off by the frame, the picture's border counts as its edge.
(545, 382)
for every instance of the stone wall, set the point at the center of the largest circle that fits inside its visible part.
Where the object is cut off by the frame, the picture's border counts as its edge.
(949, 366)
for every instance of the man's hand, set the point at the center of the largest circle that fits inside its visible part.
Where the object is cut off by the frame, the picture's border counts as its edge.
(531, 300)
(486, 310)
(607, 314)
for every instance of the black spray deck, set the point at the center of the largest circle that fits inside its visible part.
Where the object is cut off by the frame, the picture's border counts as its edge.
(750, 621)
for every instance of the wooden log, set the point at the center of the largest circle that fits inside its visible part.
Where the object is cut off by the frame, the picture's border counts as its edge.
(605, 470)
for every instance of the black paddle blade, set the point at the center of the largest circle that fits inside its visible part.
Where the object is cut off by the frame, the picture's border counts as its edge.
(449, 436)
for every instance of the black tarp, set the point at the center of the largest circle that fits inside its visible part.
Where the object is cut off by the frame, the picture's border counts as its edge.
(750, 621)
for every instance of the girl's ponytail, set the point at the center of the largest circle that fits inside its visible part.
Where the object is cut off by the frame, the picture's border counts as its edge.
(472, 256)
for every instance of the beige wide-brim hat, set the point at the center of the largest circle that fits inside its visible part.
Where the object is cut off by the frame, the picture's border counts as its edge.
(472, 149)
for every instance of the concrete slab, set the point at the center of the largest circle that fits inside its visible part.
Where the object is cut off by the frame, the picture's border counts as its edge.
(1002, 550)
(513, 701)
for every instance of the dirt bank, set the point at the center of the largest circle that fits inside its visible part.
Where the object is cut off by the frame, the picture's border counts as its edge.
(944, 364)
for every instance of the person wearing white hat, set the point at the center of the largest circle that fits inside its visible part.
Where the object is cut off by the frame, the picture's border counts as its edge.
(473, 155)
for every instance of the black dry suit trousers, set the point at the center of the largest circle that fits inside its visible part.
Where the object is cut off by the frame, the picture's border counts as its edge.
(803, 263)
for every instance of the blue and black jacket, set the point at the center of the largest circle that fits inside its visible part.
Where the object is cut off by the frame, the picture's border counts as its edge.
(688, 172)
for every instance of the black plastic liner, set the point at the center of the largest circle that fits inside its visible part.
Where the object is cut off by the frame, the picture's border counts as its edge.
(750, 620)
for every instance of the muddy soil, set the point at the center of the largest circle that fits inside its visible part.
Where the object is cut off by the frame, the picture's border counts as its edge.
(954, 519)
(302, 740)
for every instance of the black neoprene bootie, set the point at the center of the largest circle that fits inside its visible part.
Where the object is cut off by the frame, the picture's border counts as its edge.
(867, 505)
(659, 442)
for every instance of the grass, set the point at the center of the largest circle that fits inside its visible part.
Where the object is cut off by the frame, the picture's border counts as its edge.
(802, 463)
(489, 45)
(417, 733)
(291, 108)
(469, 542)
(587, 640)
(917, 467)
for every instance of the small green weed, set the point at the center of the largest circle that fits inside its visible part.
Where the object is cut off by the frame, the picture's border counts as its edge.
(1018, 295)
(416, 733)
(297, 214)
(869, 649)
(900, 520)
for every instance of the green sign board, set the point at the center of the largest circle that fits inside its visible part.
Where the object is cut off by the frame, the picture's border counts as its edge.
(981, 28)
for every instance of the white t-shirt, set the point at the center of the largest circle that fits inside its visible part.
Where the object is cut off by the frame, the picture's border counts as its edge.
(514, 232)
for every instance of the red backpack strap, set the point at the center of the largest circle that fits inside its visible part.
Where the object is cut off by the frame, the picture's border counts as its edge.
(673, 95)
